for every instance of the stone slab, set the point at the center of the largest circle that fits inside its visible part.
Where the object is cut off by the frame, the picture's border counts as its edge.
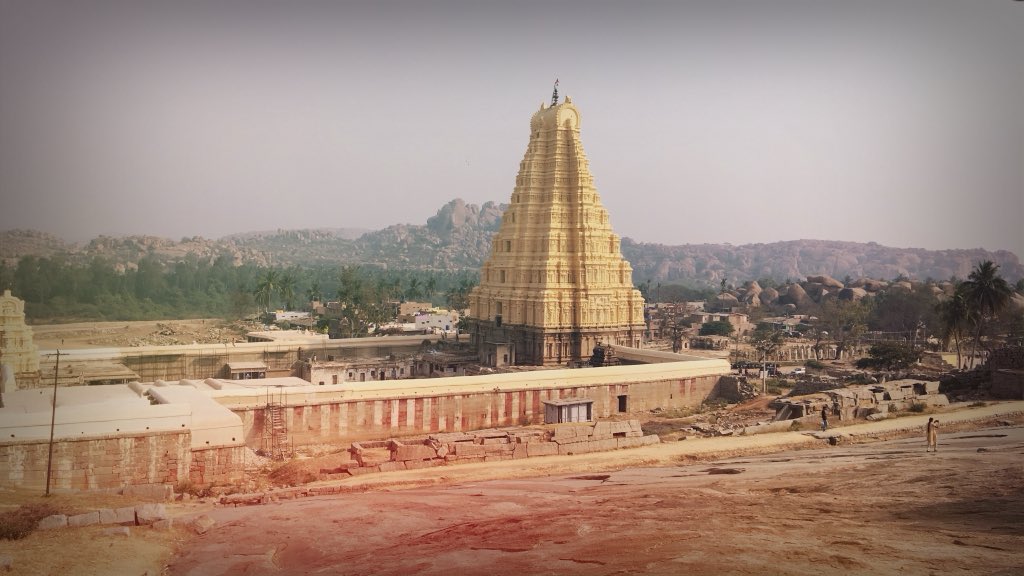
(54, 521)
(392, 466)
(125, 515)
(118, 531)
(87, 519)
(541, 449)
(414, 464)
(414, 452)
(107, 516)
(146, 514)
(466, 449)
(202, 524)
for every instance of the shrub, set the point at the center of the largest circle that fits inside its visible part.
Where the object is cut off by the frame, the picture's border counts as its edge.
(795, 426)
(916, 407)
(20, 522)
(814, 364)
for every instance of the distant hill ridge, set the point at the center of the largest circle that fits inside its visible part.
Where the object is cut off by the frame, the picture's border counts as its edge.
(458, 237)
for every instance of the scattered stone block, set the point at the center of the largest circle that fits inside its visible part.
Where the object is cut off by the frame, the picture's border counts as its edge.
(54, 521)
(414, 452)
(118, 531)
(392, 466)
(534, 449)
(414, 464)
(124, 515)
(107, 516)
(87, 519)
(363, 470)
(202, 524)
(146, 514)
(164, 524)
(498, 449)
(463, 449)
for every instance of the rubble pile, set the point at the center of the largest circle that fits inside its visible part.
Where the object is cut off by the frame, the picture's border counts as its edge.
(172, 334)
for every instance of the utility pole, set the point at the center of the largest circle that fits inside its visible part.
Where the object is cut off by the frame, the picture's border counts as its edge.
(53, 419)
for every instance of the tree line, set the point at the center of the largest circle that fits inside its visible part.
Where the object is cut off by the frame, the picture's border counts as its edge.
(58, 289)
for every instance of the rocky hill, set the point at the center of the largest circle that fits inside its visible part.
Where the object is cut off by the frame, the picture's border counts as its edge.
(459, 235)
(709, 264)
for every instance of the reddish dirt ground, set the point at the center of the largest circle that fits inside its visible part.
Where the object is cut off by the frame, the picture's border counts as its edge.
(880, 508)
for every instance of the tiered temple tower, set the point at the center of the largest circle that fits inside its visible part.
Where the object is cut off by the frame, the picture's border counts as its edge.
(555, 284)
(17, 350)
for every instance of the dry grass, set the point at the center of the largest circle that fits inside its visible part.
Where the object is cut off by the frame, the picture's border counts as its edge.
(20, 522)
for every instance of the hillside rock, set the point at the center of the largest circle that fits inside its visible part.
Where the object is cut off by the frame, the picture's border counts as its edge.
(458, 237)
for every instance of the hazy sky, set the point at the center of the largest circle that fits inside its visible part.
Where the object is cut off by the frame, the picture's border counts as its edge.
(899, 122)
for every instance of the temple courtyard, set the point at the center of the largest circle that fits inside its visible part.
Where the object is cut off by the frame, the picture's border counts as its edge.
(785, 503)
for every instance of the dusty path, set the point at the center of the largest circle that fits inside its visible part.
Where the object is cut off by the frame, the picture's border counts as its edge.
(881, 508)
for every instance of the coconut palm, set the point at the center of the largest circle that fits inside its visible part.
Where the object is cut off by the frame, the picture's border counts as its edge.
(955, 319)
(266, 286)
(413, 292)
(986, 293)
(286, 288)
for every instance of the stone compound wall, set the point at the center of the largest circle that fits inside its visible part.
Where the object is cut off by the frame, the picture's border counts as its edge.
(492, 445)
(103, 462)
(355, 420)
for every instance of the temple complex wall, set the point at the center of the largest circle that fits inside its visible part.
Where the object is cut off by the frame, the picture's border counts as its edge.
(115, 461)
(385, 410)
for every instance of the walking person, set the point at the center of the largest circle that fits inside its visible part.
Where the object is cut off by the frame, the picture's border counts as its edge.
(932, 434)
(824, 418)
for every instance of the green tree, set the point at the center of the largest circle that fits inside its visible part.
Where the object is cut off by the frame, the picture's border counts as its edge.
(767, 341)
(844, 321)
(286, 288)
(890, 356)
(413, 291)
(265, 289)
(717, 328)
(986, 294)
(955, 321)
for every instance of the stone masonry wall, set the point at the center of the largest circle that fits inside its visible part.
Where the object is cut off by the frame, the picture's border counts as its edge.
(97, 462)
(102, 462)
(355, 420)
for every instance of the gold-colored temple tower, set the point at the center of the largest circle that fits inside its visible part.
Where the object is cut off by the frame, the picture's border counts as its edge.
(556, 284)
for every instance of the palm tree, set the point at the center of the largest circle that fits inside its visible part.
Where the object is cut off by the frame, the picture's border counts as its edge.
(314, 293)
(286, 288)
(265, 289)
(955, 318)
(986, 293)
(413, 291)
(430, 288)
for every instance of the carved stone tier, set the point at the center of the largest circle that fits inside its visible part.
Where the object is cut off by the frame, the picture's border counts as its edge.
(555, 284)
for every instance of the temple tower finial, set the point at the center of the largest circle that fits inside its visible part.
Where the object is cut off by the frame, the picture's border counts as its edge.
(554, 95)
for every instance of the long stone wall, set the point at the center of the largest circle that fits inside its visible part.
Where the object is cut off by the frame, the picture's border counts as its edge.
(101, 462)
(352, 420)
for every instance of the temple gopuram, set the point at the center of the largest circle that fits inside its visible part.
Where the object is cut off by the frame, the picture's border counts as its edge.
(555, 284)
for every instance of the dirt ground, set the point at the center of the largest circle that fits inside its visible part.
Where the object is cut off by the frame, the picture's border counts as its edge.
(769, 504)
(883, 508)
(142, 333)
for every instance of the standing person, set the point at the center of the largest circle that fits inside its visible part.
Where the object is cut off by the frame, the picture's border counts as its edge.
(824, 418)
(932, 434)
